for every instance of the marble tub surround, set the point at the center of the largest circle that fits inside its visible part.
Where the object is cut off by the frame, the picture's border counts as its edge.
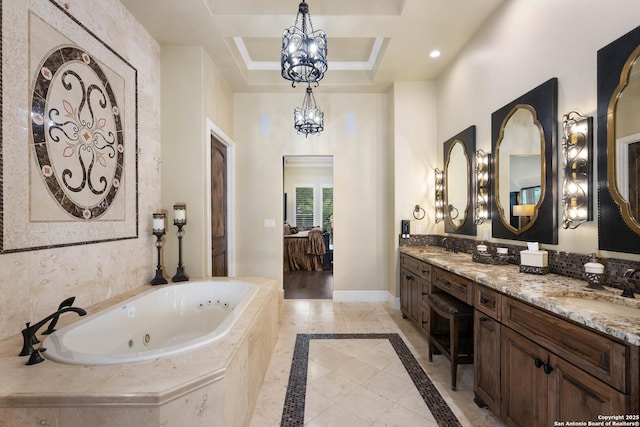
(215, 385)
(568, 264)
(549, 292)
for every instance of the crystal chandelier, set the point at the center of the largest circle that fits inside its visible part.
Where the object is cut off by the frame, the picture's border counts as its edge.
(308, 119)
(304, 51)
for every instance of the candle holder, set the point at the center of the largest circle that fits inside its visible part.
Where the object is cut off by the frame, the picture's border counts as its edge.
(159, 231)
(180, 220)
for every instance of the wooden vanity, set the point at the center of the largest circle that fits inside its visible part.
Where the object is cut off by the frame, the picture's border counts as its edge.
(533, 364)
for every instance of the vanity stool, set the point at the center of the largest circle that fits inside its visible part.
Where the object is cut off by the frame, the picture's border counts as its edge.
(456, 343)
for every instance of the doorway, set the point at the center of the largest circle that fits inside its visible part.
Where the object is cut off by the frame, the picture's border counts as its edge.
(308, 232)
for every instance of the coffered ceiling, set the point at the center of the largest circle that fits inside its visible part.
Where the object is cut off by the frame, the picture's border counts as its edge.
(371, 43)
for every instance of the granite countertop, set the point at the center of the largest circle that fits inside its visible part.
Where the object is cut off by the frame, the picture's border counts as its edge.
(561, 295)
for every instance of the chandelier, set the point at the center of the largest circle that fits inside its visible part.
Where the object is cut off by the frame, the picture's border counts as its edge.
(304, 51)
(308, 119)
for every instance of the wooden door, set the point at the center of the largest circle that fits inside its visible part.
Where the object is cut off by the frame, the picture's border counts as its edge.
(576, 395)
(524, 383)
(486, 362)
(405, 292)
(219, 259)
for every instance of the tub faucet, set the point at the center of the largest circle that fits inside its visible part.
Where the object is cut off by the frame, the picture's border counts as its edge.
(626, 284)
(52, 326)
(29, 334)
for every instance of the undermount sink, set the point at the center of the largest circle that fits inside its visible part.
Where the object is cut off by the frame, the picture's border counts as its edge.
(629, 308)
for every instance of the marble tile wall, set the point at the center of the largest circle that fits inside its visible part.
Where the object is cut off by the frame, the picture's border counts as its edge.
(33, 283)
(568, 264)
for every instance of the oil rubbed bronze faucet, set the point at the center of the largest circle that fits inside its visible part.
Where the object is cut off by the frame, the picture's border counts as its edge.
(630, 274)
(29, 333)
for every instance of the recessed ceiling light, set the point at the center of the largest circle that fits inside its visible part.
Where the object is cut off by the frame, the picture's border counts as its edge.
(434, 53)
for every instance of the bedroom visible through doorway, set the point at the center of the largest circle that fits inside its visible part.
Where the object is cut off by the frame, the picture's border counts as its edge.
(308, 227)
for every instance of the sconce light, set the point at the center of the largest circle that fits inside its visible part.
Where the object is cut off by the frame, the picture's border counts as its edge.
(482, 187)
(439, 195)
(577, 143)
(418, 212)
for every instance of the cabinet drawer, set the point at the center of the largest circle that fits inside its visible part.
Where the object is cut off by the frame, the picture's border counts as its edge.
(417, 267)
(459, 287)
(488, 301)
(601, 356)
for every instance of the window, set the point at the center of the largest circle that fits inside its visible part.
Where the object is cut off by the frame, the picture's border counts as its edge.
(304, 207)
(327, 208)
(309, 212)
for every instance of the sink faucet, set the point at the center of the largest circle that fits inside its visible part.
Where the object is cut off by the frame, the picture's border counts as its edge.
(626, 284)
(446, 242)
(29, 333)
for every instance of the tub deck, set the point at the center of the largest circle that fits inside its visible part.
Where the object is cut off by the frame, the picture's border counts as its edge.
(229, 370)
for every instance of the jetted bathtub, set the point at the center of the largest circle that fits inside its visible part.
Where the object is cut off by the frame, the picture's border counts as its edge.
(163, 321)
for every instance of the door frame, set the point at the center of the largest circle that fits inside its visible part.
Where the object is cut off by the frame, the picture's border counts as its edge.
(216, 132)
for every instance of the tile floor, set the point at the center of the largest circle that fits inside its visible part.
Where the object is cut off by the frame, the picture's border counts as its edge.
(360, 382)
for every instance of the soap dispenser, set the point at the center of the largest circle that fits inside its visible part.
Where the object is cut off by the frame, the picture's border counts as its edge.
(594, 271)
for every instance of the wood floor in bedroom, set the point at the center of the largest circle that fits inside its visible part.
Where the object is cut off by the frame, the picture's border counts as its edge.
(308, 284)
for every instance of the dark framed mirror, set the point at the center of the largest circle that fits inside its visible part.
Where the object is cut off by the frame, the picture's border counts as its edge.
(619, 144)
(459, 182)
(524, 169)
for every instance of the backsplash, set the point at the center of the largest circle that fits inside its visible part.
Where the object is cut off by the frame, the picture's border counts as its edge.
(567, 264)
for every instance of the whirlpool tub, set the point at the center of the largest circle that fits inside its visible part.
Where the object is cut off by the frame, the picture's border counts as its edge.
(163, 321)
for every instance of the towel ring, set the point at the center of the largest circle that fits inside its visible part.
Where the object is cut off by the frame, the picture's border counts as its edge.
(418, 212)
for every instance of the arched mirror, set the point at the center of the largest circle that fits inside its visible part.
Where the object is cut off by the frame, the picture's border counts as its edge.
(459, 185)
(619, 138)
(519, 169)
(523, 174)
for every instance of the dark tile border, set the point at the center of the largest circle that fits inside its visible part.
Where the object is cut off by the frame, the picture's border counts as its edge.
(293, 411)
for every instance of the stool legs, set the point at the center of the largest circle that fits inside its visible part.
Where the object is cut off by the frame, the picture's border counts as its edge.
(453, 337)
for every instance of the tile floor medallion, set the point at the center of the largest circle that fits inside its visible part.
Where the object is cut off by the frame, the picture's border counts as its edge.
(351, 364)
(368, 404)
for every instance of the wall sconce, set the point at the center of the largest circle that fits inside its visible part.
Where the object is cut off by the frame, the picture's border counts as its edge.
(577, 143)
(439, 195)
(482, 187)
(418, 213)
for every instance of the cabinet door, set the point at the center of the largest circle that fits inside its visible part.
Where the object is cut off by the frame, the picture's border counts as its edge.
(416, 298)
(524, 383)
(576, 395)
(406, 278)
(486, 363)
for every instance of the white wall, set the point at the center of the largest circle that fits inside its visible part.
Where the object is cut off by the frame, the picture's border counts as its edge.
(360, 182)
(524, 44)
(193, 93)
(33, 283)
(414, 157)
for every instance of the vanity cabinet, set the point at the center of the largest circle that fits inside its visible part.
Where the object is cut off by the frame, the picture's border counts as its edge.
(415, 285)
(487, 332)
(555, 370)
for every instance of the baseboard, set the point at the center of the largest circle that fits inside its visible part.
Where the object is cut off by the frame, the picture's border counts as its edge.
(362, 296)
(393, 301)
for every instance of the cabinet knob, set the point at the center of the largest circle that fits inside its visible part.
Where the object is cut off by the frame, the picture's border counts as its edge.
(483, 319)
(538, 362)
(547, 368)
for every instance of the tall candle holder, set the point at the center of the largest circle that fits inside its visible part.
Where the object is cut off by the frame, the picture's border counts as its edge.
(180, 220)
(159, 231)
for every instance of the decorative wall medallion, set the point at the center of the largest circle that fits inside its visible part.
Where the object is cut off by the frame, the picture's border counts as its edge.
(77, 132)
(69, 150)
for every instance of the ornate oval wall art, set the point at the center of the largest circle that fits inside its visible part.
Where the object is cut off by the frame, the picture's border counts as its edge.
(77, 132)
